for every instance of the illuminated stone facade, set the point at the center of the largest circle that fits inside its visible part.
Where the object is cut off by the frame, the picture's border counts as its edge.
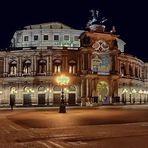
(99, 70)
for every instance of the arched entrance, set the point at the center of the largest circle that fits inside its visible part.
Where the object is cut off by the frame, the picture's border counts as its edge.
(103, 91)
(72, 95)
(13, 94)
(41, 96)
(27, 97)
(56, 95)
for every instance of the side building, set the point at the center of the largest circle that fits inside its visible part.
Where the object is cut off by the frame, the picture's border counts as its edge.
(99, 70)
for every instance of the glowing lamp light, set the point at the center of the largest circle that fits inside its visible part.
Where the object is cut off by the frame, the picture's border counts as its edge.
(134, 91)
(125, 91)
(62, 80)
(140, 91)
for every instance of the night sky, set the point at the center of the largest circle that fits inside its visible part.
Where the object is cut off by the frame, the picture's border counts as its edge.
(129, 18)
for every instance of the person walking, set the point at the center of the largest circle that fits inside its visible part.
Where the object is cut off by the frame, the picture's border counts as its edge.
(12, 103)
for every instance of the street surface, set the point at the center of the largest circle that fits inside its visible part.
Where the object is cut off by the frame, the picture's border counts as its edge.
(100, 127)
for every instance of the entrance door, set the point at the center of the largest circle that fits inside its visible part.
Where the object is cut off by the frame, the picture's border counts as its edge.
(12, 98)
(27, 100)
(41, 99)
(56, 99)
(72, 99)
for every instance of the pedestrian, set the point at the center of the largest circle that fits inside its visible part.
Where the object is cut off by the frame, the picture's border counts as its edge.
(12, 103)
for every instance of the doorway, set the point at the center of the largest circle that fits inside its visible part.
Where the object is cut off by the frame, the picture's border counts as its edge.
(27, 100)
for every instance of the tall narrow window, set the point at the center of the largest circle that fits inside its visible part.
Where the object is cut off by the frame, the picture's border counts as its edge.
(72, 67)
(136, 71)
(26, 38)
(36, 37)
(13, 67)
(123, 70)
(56, 37)
(130, 70)
(27, 67)
(45, 37)
(57, 66)
(42, 66)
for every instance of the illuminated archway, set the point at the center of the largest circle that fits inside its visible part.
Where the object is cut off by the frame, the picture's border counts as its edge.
(102, 90)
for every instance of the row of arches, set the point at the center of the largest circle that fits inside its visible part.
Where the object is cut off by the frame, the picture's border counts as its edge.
(43, 96)
(41, 66)
(130, 70)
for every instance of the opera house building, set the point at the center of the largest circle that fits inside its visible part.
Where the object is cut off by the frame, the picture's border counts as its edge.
(99, 71)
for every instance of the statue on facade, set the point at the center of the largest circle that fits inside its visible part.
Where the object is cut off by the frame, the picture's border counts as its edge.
(94, 19)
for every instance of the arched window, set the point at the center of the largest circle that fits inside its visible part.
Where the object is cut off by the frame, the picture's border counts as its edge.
(56, 88)
(139, 72)
(42, 66)
(123, 70)
(136, 71)
(72, 66)
(41, 88)
(27, 67)
(130, 70)
(72, 88)
(57, 64)
(12, 67)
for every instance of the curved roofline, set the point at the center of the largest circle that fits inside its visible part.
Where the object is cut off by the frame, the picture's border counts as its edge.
(49, 25)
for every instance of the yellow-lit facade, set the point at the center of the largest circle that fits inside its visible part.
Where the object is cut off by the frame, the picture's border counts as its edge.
(99, 71)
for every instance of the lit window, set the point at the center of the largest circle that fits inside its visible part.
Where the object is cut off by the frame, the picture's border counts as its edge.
(72, 67)
(56, 37)
(57, 68)
(26, 38)
(35, 37)
(42, 66)
(27, 67)
(13, 66)
(45, 37)
(66, 37)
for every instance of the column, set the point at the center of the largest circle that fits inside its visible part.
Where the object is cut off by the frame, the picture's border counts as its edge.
(35, 64)
(87, 87)
(32, 64)
(78, 65)
(20, 66)
(127, 68)
(4, 68)
(47, 59)
(116, 65)
(50, 65)
(66, 64)
(83, 93)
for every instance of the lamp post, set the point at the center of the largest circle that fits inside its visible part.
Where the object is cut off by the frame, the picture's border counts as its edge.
(62, 81)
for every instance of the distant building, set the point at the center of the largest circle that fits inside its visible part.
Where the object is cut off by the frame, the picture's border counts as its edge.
(99, 70)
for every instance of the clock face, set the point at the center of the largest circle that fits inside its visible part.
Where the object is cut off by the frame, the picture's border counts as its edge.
(100, 46)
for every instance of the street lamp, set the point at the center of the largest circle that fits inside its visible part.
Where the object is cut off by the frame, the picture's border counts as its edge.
(62, 81)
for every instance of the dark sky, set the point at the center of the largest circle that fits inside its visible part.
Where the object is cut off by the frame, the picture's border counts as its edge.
(129, 17)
